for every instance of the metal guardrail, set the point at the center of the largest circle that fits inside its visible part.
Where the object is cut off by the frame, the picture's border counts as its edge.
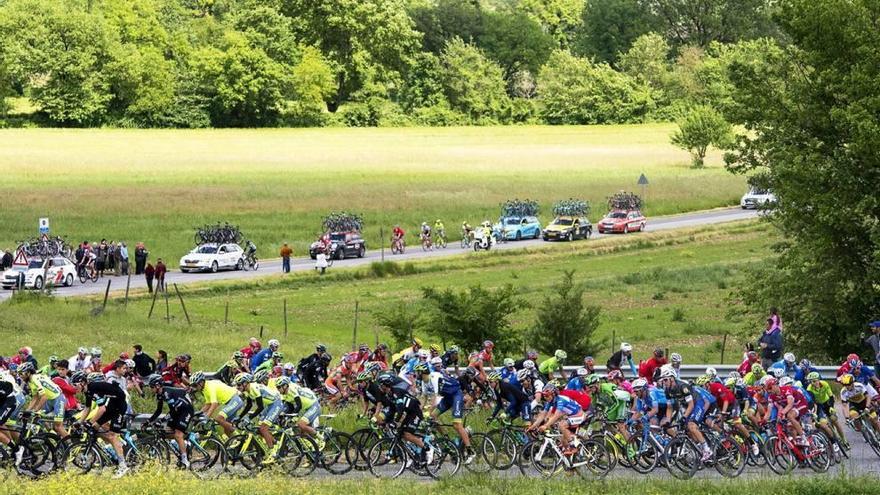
(691, 371)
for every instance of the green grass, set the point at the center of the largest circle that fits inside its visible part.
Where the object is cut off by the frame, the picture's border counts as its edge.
(175, 482)
(156, 185)
(663, 288)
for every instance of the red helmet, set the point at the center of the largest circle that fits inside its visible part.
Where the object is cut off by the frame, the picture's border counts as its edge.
(488, 344)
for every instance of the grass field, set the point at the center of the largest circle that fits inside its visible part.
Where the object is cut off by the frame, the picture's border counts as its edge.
(662, 288)
(152, 483)
(155, 186)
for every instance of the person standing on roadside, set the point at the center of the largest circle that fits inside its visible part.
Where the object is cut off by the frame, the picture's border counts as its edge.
(117, 258)
(285, 258)
(123, 258)
(140, 258)
(321, 262)
(101, 257)
(149, 273)
(771, 340)
(873, 340)
(161, 269)
(144, 365)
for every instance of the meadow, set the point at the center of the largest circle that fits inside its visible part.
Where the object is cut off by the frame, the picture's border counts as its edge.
(667, 289)
(156, 185)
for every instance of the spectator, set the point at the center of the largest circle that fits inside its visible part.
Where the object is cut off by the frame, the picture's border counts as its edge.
(69, 391)
(123, 258)
(746, 366)
(6, 260)
(160, 275)
(80, 254)
(648, 369)
(771, 341)
(80, 361)
(149, 273)
(117, 258)
(321, 262)
(285, 258)
(101, 261)
(873, 340)
(26, 355)
(254, 346)
(621, 358)
(161, 360)
(144, 365)
(140, 258)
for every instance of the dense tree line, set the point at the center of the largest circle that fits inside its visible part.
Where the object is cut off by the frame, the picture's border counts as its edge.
(198, 63)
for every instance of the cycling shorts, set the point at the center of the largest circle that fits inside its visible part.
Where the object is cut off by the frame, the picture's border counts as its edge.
(698, 413)
(826, 409)
(331, 389)
(269, 414)
(55, 408)
(858, 406)
(179, 418)
(576, 420)
(233, 406)
(9, 406)
(114, 414)
(516, 409)
(454, 402)
(312, 414)
(411, 421)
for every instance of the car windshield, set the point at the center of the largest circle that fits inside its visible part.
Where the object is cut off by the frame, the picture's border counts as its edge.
(617, 214)
(36, 264)
(512, 221)
(207, 250)
(759, 192)
(337, 237)
(563, 221)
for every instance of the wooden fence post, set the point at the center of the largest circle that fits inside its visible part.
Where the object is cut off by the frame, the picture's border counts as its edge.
(354, 335)
(285, 317)
(226, 314)
(723, 345)
(167, 307)
(153, 305)
(127, 286)
(182, 305)
(106, 295)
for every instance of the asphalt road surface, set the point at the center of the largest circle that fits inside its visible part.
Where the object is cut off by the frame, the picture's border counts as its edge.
(273, 266)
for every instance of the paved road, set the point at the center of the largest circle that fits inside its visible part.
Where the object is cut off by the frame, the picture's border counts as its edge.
(273, 267)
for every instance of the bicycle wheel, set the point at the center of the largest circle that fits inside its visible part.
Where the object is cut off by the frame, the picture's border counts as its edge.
(644, 455)
(298, 456)
(682, 458)
(449, 462)
(730, 460)
(779, 455)
(40, 455)
(544, 458)
(93, 275)
(339, 454)
(486, 454)
(598, 459)
(387, 458)
(206, 458)
(758, 459)
(82, 457)
(818, 453)
(506, 448)
(242, 452)
(364, 438)
(870, 436)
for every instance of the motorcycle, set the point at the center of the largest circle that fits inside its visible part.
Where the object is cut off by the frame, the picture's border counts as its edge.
(483, 242)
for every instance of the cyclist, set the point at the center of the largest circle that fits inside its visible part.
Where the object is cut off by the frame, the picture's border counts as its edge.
(531, 355)
(789, 403)
(823, 401)
(690, 404)
(857, 398)
(804, 368)
(405, 355)
(486, 231)
(439, 231)
(753, 377)
(264, 355)
(178, 373)
(180, 411)
(650, 402)
(508, 370)
(334, 383)
(518, 401)
(788, 365)
(49, 368)
(675, 362)
(380, 355)
(482, 359)
(408, 410)
(302, 401)
(562, 409)
(616, 378)
(237, 364)
(45, 396)
(268, 365)
(407, 372)
(108, 400)
(269, 407)
(552, 365)
(434, 349)
(450, 357)
(12, 400)
(425, 235)
(222, 402)
(612, 401)
(466, 231)
(865, 375)
(450, 396)
(398, 235)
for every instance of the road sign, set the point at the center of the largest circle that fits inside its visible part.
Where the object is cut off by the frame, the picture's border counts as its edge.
(20, 259)
(44, 225)
(643, 181)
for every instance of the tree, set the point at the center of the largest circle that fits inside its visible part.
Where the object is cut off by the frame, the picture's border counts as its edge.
(473, 84)
(564, 321)
(576, 91)
(609, 27)
(559, 18)
(699, 22)
(402, 320)
(702, 126)
(445, 20)
(813, 118)
(647, 60)
(516, 42)
(423, 84)
(474, 315)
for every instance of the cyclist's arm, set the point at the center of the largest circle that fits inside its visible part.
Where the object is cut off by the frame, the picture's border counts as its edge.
(210, 408)
(158, 411)
(248, 403)
(260, 407)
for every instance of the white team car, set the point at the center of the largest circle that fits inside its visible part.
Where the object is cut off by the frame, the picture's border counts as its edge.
(757, 198)
(57, 271)
(213, 257)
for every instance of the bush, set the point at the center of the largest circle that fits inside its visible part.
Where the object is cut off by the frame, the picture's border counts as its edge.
(700, 128)
(677, 314)
(439, 115)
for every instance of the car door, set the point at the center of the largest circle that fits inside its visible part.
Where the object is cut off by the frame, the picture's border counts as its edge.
(222, 256)
(234, 255)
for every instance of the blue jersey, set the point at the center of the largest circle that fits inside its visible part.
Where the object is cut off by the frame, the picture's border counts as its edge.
(564, 405)
(705, 395)
(509, 375)
(656, 396)
(260, 358)
(447, 385)
(807, 395)
(866, 373)
(788, 369)
(800, 375)
(575, 384)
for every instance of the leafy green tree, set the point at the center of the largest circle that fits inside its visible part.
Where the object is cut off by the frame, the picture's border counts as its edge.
(576, 91)
(812, 110)
(474, 315)
(699, 22)
(701, 126)
(267, 28)
(647, 60)
(474, 84)
(609, 27)
(444, 20)
(142, 82)
(423, 84)
(516, 42)
(402, 320)
(560, 18)
(564, 321)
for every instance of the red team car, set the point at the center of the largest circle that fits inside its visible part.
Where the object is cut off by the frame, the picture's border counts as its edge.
(622, 221)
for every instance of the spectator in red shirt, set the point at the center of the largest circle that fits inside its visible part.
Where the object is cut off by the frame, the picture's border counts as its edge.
(149, 273)
(112, 366)
(178, 373)
(160, 275)
(69, 391)
(746, 366)
(649, 367)
(254, 346)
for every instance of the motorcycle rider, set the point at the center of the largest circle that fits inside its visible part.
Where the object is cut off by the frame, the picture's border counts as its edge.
(486, 231)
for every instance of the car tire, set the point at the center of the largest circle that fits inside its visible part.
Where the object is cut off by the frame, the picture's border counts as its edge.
(239, 265)
(38, 283)
(537, 233)
(184, 270)
(518, 235)
(569, 237)
(68, 281)
(214, 267)
(313, 256)
(340, 253)
(642, 227)
(545, 239)
(626, 229)
(362, 251)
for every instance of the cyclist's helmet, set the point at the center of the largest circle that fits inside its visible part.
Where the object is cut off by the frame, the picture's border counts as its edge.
(614, 375)
(469, 372)
(277, 355)
(702, 380)
(528, 364)
(242, 379)
(770, 382)
(197, 378)
(786, 381)
(237, 355)
(757, 369)
(658, 352)
(27, 367)
(734, 374)
(53, 359)
(364, 348)
(363, 377)
(494, 376)
(639, 384)
(289, 367)
(789, 358)
(806, 363)
(95, 377)
(96, 352)
(508, 363)
(625, 347)
(326, 358)
(261, 376)
(777, 372)
(549, 389)
(436, 362)
(592, 379)
(385, 380)
(560, 354)
(374, 367)
(732, 382)
(423, 354)
(320, 348)
(813, 376)
(154, 380)
(533, 355)
(675, 357)
(349, 358)
(274, 344)
(417, 341)
(845, 379)
(421, 369)
(853, 359)
(282, 381)
(523, 374)
(667, 371)
(78, 377)
(488, 344)
(582, 372)
(712, 372)
(434, 348)
(454, 349)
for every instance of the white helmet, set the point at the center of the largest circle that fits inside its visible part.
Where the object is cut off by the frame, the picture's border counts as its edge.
(675, 357)
(625, 347)
(734, 374)
(82, 350)
(789, 358)
(274, 343)
(424, 354)
(764, 379)
(785, 381)
(129, 363)
(528, 364)
(639, 383)
(436, 361)
(523, 374)
(712, 372)
(667, 371)
(777, 372)
(582, 372)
